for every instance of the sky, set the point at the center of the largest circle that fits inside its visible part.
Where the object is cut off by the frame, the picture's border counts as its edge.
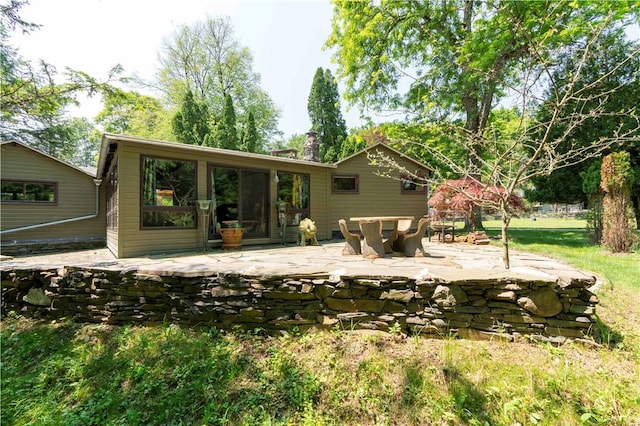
(285, 36)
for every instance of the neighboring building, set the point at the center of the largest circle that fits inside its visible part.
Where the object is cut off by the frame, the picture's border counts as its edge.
(152, 187)
(47, 204)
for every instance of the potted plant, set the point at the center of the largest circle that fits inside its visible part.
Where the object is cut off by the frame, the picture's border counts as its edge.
(231, 233)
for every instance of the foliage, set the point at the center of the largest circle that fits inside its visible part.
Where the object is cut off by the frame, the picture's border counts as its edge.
(325, 115)
(35, 97)
(226, 134)
(249, 141)
(130, 112)
(463, 196)
(591, 186)
(565, 185)
(454, 57)
(190, 123)
(206, 58)
(618, 232)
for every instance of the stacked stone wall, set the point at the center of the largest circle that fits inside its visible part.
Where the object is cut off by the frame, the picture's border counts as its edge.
(487, 309)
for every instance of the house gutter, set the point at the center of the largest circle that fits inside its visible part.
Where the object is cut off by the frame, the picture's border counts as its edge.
(97, 182)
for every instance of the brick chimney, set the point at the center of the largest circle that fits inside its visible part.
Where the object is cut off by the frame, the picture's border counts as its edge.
(311, 150)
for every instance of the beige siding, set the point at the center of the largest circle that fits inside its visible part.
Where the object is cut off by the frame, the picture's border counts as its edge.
(112, 242)
(134, 241)
(76, 197)
(377, 195)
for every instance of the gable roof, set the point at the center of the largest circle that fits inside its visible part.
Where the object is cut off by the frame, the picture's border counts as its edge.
(395, 151)
(89, 171)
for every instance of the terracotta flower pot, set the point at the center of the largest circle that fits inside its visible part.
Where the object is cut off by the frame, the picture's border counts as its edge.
(231, 237)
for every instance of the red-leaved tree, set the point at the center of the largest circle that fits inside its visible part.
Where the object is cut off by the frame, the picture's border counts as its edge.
(464, 196)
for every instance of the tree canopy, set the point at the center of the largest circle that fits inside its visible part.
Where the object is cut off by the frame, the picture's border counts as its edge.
(206, 59)
(455, 58)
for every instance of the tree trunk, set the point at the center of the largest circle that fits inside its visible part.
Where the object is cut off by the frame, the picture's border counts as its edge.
(505, 240)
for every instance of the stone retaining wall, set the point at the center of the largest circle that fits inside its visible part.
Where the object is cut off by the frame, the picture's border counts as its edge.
(488, 309)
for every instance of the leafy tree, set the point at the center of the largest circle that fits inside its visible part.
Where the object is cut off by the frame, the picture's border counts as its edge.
(206, 58)
(591, 186)
(191, 123)
(325, 115)
(457, 56)
(84, 139)
(136, 114)
(33, 105)
(466, 56)
(566, 185)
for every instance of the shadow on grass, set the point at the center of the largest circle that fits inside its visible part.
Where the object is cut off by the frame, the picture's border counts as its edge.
(606, 335)
(564, 238)
(469, 403)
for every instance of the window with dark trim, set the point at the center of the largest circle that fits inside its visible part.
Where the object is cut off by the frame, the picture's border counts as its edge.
(412, 186)
(293, 192)
(168, 191)
(241, 194)
(17, 191)
(345, 183)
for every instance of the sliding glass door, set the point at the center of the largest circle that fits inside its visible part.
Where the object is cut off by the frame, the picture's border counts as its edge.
(243, 195)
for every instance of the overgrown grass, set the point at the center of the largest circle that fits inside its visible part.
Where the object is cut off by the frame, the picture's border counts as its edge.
(61, 373)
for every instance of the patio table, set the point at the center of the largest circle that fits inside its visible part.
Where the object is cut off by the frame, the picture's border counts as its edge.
(371, 228)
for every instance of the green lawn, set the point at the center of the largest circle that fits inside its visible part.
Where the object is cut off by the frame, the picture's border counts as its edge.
(539, 223)
(61, 373)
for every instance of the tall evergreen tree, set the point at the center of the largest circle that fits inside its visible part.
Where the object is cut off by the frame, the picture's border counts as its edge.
(191, 122)
(325, 115)
(251, 139)
(226, 133)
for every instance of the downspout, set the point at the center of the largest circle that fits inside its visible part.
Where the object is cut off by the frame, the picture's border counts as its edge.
(97, 182)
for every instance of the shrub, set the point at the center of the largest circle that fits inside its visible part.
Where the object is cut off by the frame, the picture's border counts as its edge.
(618, 222)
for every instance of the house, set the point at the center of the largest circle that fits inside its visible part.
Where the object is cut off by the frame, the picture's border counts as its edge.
(47, 204)
(152, 190)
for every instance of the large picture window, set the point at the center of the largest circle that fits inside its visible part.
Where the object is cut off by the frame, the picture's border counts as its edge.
(29, 192)
(293, 192)
(168, 193)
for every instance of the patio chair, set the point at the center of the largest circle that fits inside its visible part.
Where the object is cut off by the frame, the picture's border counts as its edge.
(395, 242)
(352, 241)
(413, 242)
